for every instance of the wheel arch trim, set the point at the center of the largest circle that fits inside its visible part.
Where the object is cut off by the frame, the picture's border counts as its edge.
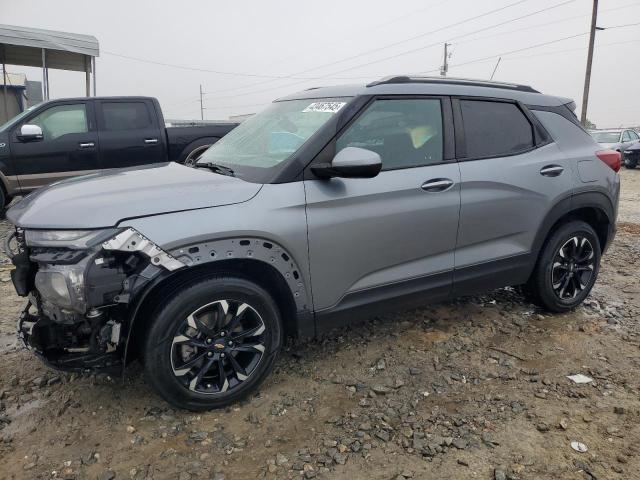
(591, 199)
(252, 249)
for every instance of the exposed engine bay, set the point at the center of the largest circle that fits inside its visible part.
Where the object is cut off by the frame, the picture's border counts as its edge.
(79, 286)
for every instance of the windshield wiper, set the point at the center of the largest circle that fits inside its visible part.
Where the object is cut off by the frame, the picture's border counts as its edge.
(214, 167)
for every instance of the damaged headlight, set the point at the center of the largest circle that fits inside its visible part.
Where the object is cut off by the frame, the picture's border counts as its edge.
(73, 239)
(53, 287)
(82, 269)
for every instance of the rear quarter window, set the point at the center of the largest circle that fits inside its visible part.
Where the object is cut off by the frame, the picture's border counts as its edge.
(494, 128)
(563, 131)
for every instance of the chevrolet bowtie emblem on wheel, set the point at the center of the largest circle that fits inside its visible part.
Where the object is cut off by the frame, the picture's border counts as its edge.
(219, 346)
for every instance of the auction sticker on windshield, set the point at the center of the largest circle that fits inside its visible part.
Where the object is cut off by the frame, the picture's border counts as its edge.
(325, 107)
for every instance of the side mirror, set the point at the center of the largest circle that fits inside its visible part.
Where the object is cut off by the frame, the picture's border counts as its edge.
(30, 133)
(350, 162)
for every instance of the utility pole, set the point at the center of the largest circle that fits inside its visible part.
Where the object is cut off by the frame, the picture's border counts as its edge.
(201, 107)
(445, 63)
(587, 76)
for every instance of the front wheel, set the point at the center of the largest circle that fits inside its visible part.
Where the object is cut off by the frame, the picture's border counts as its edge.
(566, 269)
(212, 343)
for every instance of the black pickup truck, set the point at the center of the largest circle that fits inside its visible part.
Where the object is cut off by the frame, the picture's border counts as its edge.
(76, 136)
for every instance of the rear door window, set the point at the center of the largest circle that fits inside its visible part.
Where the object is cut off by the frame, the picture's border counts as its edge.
(118, 116)
(495, 129)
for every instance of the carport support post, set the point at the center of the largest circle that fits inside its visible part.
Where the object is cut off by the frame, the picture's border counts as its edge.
(93, 70)
(45, 76)
(4, 78)
(87, 76)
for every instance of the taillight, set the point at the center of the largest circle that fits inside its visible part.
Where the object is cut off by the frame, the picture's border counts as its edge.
(611, 158)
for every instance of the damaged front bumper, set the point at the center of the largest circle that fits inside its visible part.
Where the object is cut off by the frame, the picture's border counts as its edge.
(72, 348)
(79, 297)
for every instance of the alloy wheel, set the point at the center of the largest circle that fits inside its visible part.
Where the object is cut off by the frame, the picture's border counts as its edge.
(218, 346)
(573, 267)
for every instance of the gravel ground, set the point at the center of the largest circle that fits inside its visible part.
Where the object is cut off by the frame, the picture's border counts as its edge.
(474, 388)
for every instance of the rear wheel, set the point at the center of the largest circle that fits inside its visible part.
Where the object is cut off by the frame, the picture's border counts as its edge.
(567, 268)
(212, 343)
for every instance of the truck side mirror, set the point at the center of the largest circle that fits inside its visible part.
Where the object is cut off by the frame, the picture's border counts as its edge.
(350, 162)
(30, 133)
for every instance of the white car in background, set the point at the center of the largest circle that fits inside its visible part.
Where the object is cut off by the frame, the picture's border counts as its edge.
(616, 139)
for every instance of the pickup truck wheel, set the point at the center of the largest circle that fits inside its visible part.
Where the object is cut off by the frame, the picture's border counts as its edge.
(193, 157)
(3, 202)
(567, 268)
(212, 343)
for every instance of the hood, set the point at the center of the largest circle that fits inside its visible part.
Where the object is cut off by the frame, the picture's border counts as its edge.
(104, 199)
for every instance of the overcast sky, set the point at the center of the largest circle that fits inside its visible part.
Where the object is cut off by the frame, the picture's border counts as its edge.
(253, 44)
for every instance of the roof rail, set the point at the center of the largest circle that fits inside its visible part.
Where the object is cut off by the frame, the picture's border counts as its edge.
(452, 81)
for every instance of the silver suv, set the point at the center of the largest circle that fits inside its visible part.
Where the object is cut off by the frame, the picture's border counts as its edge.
(331, 205)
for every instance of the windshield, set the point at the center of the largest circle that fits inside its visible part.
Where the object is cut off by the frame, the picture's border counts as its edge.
(15, 120)
(267, 139)
(606, 137)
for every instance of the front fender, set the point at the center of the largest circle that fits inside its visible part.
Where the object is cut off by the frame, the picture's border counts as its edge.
(215, 251)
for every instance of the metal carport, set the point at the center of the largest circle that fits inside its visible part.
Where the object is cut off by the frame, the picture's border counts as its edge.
(34, 47)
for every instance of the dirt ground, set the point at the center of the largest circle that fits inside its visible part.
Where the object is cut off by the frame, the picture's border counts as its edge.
(472, 389)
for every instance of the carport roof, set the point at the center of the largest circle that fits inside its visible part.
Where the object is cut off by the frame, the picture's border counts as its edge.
(65, 51)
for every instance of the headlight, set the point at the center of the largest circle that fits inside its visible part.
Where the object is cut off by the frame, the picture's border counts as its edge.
(63, 285)
(74, 239)
(59, 281)
(53, 287)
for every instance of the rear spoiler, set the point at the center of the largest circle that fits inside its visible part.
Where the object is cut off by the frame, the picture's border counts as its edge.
(569, 104)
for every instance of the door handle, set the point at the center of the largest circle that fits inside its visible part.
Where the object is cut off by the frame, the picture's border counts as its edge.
(87, 145)
(437, 185)
(150, 140)
(551, 170)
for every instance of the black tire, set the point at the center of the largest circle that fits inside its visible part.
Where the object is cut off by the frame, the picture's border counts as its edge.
(162, 352)
(4, 201)
(544, 287)
(193, 156)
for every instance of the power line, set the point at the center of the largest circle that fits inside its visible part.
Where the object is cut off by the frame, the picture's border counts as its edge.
(545, 24)
(242, 74)
(206, 70)
(621, 26)
(555, 52)
(373, 27)
(465, 63)
(491, 57)
(406, 52)
(502, 54)
(374, 50)
(568, 50)
(273, 78)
